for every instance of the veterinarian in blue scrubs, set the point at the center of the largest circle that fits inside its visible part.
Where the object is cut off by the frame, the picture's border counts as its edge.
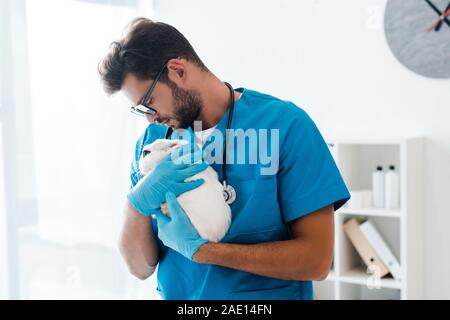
(307, 179)
(282, 229)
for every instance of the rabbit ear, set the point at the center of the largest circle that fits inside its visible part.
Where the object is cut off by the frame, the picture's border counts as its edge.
(164, 145)
(176, 144)
(172, 145)
(158, 144)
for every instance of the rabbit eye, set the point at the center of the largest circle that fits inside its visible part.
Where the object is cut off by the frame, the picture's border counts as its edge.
(145, 153)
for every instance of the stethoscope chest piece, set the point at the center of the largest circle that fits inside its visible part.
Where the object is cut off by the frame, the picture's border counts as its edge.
(229, 193)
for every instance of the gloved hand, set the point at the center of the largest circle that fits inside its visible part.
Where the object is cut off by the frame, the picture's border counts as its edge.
(168, 175)
(177, 231)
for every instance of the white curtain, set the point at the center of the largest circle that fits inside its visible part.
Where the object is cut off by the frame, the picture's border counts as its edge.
(67, 153)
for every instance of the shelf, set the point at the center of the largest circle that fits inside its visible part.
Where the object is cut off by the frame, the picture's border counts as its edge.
(330, 276)
(368, 141)
(324, 290)
(357, 157)
(358, 276)
(370, 212)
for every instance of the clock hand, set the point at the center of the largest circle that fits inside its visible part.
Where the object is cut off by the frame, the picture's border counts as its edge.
(433, 7)
(437, 11)
(438, 27)
(447, 12)
(438, 23)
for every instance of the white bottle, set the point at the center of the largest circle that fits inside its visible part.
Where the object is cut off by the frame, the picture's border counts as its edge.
(378, 188)
(392, 189)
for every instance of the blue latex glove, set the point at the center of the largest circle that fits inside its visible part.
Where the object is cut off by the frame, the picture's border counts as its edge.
(168, 175)
(177, 231)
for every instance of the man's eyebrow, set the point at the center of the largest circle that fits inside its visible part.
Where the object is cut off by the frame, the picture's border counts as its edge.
(139, 101)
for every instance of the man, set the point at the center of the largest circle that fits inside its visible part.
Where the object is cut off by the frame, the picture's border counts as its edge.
(282, 230)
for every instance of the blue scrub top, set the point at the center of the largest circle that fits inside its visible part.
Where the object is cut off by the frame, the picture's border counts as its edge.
(307, 180)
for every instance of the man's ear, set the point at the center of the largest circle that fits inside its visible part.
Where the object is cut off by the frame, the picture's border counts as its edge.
(176, 70)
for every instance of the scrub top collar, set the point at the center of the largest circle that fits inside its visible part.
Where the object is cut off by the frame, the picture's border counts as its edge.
(222, 124)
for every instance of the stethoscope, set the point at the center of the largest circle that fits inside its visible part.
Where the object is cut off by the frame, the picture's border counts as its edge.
(229, 193)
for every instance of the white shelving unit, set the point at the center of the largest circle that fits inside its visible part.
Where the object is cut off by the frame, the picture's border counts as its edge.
(402, 229)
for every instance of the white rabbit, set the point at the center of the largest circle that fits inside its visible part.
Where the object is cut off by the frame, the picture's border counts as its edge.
(205, 205)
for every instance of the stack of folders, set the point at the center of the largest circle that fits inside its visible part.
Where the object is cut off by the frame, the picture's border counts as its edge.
(372, 248)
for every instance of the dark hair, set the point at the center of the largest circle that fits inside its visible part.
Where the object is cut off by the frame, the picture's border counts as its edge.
(144, 49)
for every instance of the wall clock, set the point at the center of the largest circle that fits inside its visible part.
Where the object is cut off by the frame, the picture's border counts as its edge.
(418, 33)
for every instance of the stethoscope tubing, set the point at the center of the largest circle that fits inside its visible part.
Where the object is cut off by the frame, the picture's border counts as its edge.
(228, 190)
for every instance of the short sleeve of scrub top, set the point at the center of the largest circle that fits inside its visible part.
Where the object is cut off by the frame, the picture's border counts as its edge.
(308, 178)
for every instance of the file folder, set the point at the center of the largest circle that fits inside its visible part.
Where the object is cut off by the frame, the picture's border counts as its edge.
(364, 248)
(382, 249)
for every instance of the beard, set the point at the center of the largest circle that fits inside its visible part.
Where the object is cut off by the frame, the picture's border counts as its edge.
(188, 105)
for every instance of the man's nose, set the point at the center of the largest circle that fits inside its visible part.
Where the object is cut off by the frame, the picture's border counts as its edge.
(151, 117)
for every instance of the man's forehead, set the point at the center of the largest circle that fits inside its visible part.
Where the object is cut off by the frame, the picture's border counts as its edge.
(133, 88)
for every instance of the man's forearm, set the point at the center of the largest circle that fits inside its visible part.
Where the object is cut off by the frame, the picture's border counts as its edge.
(138, 244)
(290, 259)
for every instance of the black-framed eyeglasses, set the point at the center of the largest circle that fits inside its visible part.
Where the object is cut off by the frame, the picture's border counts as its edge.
(142, 108)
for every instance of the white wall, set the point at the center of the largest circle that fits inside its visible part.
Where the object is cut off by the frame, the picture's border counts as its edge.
(3, 230)
(331, 58)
